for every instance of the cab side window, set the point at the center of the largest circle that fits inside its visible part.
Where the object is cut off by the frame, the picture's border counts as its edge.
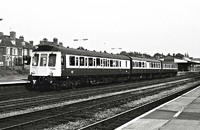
(43, 60)
(52, 60)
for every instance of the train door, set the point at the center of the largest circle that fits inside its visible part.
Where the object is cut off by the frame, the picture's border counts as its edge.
(63, 65)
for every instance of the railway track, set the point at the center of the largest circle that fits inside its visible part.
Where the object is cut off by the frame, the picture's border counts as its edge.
(122, 118)
(13, 94)
(24, 103)
(78, 110)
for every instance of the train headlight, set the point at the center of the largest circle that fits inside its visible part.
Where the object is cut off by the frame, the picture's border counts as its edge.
(33, 72)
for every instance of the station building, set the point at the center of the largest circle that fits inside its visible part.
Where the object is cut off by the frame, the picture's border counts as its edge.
(14, 51)
(185, 64)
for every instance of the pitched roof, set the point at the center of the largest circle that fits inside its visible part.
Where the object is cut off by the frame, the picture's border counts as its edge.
(6, 41)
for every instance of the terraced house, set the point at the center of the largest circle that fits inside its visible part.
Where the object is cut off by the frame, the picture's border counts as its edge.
(14, 51)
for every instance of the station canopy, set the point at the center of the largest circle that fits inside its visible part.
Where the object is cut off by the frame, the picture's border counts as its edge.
(184, 60)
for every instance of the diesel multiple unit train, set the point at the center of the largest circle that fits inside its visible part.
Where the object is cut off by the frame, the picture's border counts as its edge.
(54, 66)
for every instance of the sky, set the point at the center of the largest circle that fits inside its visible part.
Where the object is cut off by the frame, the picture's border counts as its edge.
(146, 26)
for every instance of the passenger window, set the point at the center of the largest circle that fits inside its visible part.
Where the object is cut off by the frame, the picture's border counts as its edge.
(114, 63)
(81, 61)
(72, 60)
(86, 61)
(108, 63)
(136, 64)
(117, 63)
(104, 62)
(90, 61)
(43, 60)
(133, 64)
(140, 64)
(52, 60)
(101, 62)
(98, 62)
(35, 60)
(111, 63)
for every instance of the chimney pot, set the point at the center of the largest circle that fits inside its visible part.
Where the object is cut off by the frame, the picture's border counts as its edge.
(12, 35)
(60, 44)
(55, 41)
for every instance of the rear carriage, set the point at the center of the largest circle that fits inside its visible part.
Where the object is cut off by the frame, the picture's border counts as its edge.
(143, 68)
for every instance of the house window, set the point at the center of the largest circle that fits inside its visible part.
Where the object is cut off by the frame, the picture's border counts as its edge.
(20, 52)
(11, 50)
(14, 51)
(8, 51)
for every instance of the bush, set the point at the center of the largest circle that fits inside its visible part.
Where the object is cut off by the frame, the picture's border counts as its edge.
(19, 71)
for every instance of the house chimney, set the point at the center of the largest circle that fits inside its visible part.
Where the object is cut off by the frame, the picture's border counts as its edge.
(21, 38)
(45, 40)
(31, 43)
(12, 35)
(55, 41)
(60, 44)
(41, 42)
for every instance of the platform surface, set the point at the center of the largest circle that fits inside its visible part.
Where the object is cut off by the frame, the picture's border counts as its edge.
(17, 81)
(182, 113)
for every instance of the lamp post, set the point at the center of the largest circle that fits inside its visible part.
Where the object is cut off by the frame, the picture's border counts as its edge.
(85, 39)
(116, 48)
(23, 44)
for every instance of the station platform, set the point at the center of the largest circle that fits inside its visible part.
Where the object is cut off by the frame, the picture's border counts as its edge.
(10, 82)
(181, 113)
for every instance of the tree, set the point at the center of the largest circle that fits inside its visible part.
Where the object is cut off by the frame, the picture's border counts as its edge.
(179, 55)
(158, 55)
(146, 55)
(124, 53)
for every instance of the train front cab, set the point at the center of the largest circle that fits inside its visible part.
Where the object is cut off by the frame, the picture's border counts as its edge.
(45, 67)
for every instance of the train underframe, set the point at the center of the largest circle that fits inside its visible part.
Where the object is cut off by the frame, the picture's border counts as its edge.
(57, 83)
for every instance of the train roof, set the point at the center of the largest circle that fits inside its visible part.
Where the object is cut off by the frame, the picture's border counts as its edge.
(78, 52)
(144, 59)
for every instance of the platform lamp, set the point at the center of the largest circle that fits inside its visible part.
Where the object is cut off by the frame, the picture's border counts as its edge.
(116, 48)
(85, 39)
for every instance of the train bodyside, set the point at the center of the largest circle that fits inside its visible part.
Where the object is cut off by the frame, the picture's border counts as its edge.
(72, 67)
(55, 66)
(169, 69)
(145, 68)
